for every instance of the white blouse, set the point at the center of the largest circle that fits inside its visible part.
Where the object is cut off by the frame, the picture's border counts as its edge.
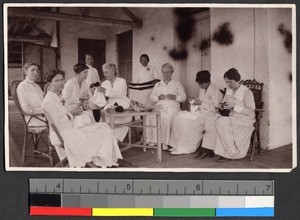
(31, 96)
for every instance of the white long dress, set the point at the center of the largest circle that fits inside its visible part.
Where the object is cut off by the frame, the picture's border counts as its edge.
(188, 128)
(144, 74)
(31, 98)
(167, 109)
(81, 144)
(234, 132)
(116, 93)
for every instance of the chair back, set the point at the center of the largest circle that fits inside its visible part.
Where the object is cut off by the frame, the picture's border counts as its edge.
(14, 95)
(46, 88)
(53, 126)
(256, 89)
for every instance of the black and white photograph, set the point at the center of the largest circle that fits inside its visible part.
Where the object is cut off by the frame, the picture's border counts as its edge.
(150, 87)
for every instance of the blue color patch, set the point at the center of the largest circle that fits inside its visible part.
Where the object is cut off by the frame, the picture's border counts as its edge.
(249, 212)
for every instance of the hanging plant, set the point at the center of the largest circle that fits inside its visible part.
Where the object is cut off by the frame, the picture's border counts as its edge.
(223, 35)
(287, 37)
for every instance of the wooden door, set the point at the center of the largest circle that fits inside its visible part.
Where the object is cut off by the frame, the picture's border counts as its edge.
(94, 47)
(125, 55)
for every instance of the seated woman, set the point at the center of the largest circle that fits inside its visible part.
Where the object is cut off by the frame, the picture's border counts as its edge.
(188, 127)
(234, 131)
(31, 96)
(115, 89)
(94, 143)
(167, 94)
(76, 93)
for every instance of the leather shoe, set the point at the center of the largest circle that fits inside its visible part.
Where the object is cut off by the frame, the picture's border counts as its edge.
(205, 154)
(222, 160)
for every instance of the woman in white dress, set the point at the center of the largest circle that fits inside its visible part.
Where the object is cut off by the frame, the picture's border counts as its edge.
(234, 131)
(76, 92)
(167, 95)
(31, 96)
(94, 143)
(144, 82)
(115, 89)
(188, 127)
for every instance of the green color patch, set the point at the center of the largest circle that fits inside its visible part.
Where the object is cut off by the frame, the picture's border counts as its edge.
(182, 212)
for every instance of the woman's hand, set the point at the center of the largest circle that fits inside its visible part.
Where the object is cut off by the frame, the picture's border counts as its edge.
(229, 105)
(171, 97)
(77, 111)
(197, 102)
(101, 89)
(161, 97)
(92, 90)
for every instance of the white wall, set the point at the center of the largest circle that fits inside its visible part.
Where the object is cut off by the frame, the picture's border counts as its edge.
(280, 61)
(158, 24)
(258, 52)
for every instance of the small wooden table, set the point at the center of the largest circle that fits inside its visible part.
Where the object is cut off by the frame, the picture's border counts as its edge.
(138, 123)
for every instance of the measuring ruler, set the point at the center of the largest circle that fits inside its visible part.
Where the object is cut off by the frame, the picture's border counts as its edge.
(174, 198)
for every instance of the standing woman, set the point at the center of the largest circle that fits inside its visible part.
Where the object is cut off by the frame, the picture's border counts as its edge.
(146, 78)
(94, 142)
(30, 95)
(115, 89)
(234, 131)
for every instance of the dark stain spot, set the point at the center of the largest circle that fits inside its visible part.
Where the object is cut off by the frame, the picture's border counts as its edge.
(290, 77)
(223, 35)
(195, 46)
(185, 24)
(203, 132)
(152, 38)
(164, 47)
(178, 55)
(287, 37)
(204, 44)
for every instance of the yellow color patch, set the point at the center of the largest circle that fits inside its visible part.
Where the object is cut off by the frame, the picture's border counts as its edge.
(122, 212)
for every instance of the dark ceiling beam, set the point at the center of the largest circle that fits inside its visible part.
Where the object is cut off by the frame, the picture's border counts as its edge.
(131, 15)
(28, 38)
(27, 13)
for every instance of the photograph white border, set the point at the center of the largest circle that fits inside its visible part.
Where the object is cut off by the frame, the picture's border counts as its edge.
(161, 5)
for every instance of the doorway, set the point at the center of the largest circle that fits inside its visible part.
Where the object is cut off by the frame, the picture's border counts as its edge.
(97, 48)
(124, 45)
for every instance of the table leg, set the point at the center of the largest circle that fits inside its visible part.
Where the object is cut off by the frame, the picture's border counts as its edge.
(158, 129)
(144, 132)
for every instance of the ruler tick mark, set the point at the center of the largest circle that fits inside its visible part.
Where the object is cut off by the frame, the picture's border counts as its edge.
(246, 192)
(219, 190)
(71, 190)
(97, 187)
(150, 189)
(159, 191)
(254, 190)
(106, 191)
(176, 191)
(115, 189)
(185, 190)
(167, 188)
(80, 188)
(228, 192)
(211, 192)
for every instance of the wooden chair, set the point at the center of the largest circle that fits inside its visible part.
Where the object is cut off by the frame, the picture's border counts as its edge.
(60, 150)
(257, 89)
(32, 133)
(63, 161)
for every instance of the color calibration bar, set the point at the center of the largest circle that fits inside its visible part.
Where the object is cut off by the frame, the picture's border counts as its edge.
(195, 198)
(128, 205)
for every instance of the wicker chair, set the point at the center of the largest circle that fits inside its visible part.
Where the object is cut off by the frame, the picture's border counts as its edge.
(32, 133)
